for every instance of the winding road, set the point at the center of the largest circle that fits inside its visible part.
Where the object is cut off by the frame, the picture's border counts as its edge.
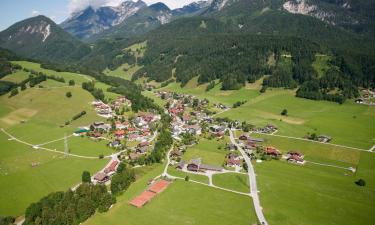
(253, 182)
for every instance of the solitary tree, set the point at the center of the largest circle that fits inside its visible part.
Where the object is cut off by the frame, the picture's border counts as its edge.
(68, 94)
(72, 83)
(23, 87)
(86, 177)
(360, 182)
(284, 112)
(187, 178)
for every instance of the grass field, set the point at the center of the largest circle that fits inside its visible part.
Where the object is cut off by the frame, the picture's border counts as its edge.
(321, 64)
(232, 181)
(181, 203)
(208, 151)
(124, 71)
(306, 195)
(22, 184)
(16, 77)
(196, 177)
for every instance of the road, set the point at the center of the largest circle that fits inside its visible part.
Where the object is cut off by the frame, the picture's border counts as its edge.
(253, 182)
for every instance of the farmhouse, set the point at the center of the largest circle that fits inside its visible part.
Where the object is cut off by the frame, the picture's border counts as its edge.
(194, 164)
(295, 157)
(272, 151)
(101, 177)
(180, 165)
(111, 168)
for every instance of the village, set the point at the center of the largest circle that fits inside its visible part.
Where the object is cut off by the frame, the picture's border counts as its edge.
(192, 120)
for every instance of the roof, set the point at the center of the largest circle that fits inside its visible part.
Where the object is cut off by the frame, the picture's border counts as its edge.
(100, 176)
(210, 167)
(159, 186)
(111, 167)
(197, 161)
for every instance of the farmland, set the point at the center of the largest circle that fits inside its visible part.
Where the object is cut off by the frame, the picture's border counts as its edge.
(292, 194)
(182, 203)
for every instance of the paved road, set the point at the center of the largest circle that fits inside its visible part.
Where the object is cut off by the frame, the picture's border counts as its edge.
(253, 182)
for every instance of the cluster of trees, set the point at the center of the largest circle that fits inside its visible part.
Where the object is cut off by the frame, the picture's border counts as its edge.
(238, 104)
(96, 92)
(122, 179)
(7, 220)
(56, 78)
(70, 207)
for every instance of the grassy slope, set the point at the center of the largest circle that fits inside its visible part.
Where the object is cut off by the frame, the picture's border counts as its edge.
(16, 77)
(292, 194)
(178, 173)
(21, 184)
(182, 203)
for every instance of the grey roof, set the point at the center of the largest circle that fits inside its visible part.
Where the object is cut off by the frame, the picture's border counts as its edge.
(210, 167)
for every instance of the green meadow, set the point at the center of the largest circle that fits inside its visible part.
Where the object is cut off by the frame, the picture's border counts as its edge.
(309, 194)
(22, 184)
(208, 151)
(195, 177)
(16, 77)
(181, 203)
(232, 181)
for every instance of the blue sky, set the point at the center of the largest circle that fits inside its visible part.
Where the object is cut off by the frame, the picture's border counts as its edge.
(12, 11)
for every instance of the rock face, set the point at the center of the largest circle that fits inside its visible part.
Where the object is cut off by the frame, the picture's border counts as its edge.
(40, 38)
(89, 21)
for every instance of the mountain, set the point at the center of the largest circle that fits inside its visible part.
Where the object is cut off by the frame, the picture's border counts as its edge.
(144, 20)
(40, 38)
(194, 8)
(90, 21)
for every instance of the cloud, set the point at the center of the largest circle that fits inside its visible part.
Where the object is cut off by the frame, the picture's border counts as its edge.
(35, 13)
(77, 5)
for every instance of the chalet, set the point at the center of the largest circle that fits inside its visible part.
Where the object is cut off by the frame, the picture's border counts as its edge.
(119, 133)
(324, 138)
(194, 164)
(180, 165)
(96, 135)
(142, 150)
(101, 177)
(272, 151)
(296, 157)
(143, 144)
(194, 129)
(244, 137)
(133, 156)
(231, 147)
(115, 144)
(233, 162)
(217, 129)
(111, 168)
(175, 153)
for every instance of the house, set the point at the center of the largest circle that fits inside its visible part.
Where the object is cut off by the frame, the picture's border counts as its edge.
(194, 164)
(233, 162)
(111, 168)
(115, 144)
(134, 156)
(175, 153)
(244, 137)
(272, 151)
(194, 129)
(81, 132)
(143, 144)
(101, 177)
(180, 165)
(142, 150)
(119, 133)
(255, 139)
(296, 157)
(217, 129)
(231, 147)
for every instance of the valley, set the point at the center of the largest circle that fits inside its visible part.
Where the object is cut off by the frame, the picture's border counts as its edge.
(217, 112)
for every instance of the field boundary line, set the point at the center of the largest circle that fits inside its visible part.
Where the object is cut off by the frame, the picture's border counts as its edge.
(46, 149)
(323, 143)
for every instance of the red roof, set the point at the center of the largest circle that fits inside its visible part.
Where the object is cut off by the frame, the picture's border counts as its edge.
(112, 167)
(142, 199)
(159, 186)
(119, 132)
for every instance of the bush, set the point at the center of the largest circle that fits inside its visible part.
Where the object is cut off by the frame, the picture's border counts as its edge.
(284, 112)
(14, 92)
(360, 182)
(86, 177)
(72, 83)
(68, 94)
(187, 178)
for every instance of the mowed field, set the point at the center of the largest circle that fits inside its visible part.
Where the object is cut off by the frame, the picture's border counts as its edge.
(35, 116)
(181, 203)
(311, 194)
(348, 124)
(208, 151)
(22, 184)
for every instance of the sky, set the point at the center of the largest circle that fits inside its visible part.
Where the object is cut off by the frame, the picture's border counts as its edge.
(12, 11)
